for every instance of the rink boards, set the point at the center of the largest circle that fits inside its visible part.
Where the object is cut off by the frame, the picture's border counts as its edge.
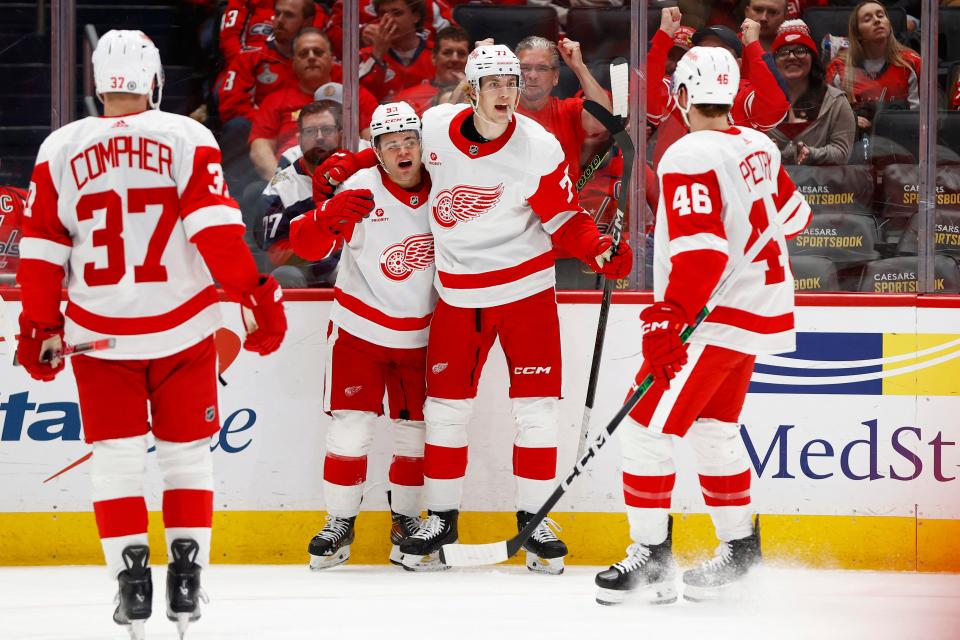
(853, 440)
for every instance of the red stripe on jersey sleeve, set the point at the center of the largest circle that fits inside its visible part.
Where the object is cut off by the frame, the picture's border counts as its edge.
(207, 186)
(228, 258)
(554, 194)
(40, 280)
(785, 189)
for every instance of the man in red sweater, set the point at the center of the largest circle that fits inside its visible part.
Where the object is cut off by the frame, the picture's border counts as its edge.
(399, 56)
(761, 102)
(449, 58)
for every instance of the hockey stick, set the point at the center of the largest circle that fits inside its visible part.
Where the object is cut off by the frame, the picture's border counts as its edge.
(619, 88)
(615, 126)
(73, 350)
(472, 555)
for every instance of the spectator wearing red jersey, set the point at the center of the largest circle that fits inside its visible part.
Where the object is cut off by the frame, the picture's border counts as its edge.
(275, 125)
(875, 68)
(245, 24)
(820, 127)
(770, 14)
(252, 75)
(449, 59)
(761, 102)
(400, 54)
(12, 202)
(566, 119)
(436, 17)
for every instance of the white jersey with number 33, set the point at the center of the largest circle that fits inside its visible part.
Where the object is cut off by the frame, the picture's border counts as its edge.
(116, 201)
(720, 190)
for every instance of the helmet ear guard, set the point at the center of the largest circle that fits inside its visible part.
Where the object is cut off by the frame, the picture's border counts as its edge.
(128, 62)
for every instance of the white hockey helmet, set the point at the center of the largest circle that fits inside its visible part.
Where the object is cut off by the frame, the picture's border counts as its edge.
(392, 117)
(710, 74)
(491, 60)
(128, 62)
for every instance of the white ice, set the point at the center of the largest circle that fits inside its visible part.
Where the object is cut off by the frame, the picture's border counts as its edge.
(358, 602)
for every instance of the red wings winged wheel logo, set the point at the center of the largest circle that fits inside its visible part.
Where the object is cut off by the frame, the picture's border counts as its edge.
(399, 260)
(464, 203)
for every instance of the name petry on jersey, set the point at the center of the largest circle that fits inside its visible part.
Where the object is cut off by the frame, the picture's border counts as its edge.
(115, 202)
(719, 192)
(493, 208)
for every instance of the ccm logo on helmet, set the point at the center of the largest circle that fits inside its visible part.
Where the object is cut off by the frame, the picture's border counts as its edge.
(530, 371)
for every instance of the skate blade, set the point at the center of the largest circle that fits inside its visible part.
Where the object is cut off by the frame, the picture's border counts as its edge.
(549, 566)
(429, 562)
(319, 563)
(183, 622)
(732, 592)
(660, 593)
(137, 630)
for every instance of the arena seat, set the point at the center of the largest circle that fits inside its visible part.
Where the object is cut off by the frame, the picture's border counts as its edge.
(833, 21)
(899, 275)
(813, 273)
(507, 24)
(896, 137)
(899, 189)
(844, 238)
(946, 234)
(843, 188)
(604, 32)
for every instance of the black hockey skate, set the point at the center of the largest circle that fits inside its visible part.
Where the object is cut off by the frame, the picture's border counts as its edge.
(545, 551)
(730, 563)
(648, 570)
(135, 595)
(183, 584)
(423, 546)
(331, 546)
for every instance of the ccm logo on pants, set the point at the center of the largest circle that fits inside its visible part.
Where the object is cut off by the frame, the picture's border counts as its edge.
(525, 371)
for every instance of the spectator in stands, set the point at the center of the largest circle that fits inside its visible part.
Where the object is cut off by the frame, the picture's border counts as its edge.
(290, 194)
(449, 59)
(400, 54)
(246, 24)
(275, 125)
(253, 75)
(761, 101)
(820, 126)
(770, 14)
(566, 119)
(436, 17)
(876, 69)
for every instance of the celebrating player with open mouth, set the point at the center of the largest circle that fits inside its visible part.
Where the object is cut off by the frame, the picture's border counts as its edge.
(377, 337)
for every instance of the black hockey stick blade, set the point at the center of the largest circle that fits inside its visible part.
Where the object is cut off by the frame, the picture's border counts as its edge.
(609, 121)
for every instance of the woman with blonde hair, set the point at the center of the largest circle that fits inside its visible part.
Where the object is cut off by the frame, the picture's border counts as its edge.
(876, 68)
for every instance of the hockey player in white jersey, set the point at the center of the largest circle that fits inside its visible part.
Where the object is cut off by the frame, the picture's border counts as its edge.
(377, 337)
(134, 208)
(501, 197)
(721, 186)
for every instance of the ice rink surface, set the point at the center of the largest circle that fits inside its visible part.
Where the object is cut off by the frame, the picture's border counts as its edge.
(359, 602)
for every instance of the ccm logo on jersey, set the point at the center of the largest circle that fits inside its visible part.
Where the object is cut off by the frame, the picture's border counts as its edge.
(530, 371)
(464, 203)
(399, 260)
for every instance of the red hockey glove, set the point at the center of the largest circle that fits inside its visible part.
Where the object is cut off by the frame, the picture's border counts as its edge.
(339, 214)
(663, 351)
(617, 265)
(35, 341)
(337, 168)
(268, 324)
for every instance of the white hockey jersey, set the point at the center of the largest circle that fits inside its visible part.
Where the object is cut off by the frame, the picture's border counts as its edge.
(719, 190)
(384, 292)
(115, 201)
(493, 208)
